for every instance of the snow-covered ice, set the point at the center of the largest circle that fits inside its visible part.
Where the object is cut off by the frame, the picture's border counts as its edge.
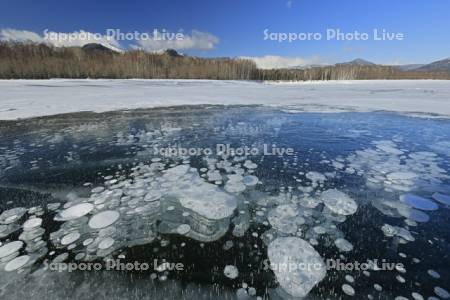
(32, 98)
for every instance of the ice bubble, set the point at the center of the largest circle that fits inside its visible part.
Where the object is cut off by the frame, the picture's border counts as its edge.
(183, 229)
(349, 278)
(413, 214)
(10, 248)
(292, 250)
(417, 296)
(234, 187)
(88, 241)
(316, 178)
(231, 272)
(434, 274)
(74, 212)
(319, 229)
(241, 294)
(70, 238)
(80, 256)
(405, 234)
(106, 243)
(441, 292)
(208, 201)
(250, 165)
(103, 219)
(444, 199)
(17, 263)
(348, 289)
(418, 202)
(152, 195)
(338, 202)
(388, 147)
(442, 147)
(214, 175)
(394, 176)
(250, 180)
(60, 258)
(283, 218)
(98, 189)
(12, 215)
(400, 279)
(389, 230)
(309, 202)
(32, 223)
(343, 245)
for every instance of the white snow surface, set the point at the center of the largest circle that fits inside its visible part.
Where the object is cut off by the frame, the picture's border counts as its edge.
(33, 98)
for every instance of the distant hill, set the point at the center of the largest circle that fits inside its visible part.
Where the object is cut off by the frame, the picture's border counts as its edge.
(172, 53)
(308, 67)
(440, 65)
(357, 62)
(101, 48)
(410, 67)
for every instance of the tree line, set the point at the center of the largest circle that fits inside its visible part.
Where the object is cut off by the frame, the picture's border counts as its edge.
(41, 61)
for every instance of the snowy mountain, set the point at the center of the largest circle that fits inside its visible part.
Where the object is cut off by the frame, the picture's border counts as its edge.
(410, 67)
(440, 65)
(358, 62)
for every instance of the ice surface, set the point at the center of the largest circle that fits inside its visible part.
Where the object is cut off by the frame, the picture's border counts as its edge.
(284, 251)
(25, 98)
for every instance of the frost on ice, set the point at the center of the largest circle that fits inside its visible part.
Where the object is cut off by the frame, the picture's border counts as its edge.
(286, 251)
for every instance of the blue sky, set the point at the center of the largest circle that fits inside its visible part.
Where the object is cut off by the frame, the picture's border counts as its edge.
(236, 27)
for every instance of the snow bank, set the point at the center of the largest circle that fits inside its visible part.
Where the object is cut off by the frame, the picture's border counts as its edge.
(32, 98)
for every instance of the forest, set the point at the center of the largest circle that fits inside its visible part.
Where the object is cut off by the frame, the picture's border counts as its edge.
(41, 61)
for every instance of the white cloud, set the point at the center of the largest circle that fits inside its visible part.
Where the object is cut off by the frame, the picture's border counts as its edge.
(59, 39)
(277, 62)
(197, 40)
(80, 38)
(20, 36)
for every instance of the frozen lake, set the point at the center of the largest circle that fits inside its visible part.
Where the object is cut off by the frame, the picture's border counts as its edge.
(32, 98)
(268, 202)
